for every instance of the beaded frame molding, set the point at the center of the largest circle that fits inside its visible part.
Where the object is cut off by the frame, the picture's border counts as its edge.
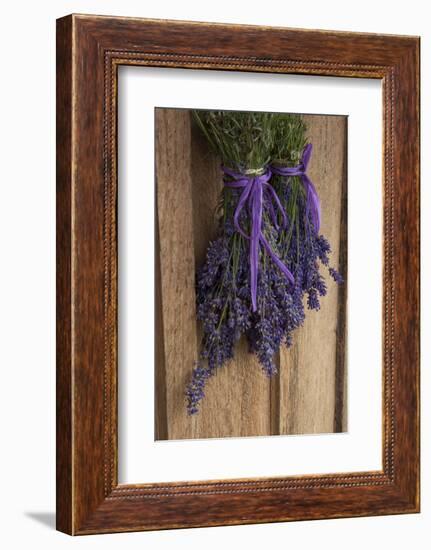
(89, 51)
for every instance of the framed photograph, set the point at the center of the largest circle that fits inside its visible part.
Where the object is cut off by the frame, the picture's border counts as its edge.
(237, 274)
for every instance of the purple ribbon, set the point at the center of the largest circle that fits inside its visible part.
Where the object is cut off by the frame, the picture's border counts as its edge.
(313, 202)
(256, 191)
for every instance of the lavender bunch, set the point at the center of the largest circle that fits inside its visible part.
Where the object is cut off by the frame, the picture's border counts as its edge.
(243, 141)
(251, 142)
(301, 245)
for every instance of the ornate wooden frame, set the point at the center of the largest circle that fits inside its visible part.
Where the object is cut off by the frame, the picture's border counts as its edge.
(89, 51)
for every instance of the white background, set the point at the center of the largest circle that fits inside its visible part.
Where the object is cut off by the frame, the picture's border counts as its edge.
(141, 458)
(27, 125)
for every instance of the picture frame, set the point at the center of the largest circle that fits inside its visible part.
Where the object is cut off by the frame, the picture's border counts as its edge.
(89, 51)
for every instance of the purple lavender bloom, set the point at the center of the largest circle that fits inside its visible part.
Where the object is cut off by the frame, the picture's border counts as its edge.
(195, 389)
(336, 276)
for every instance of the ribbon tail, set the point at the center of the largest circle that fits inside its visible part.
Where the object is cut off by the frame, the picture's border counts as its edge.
(241, 203)
(313, 202)
(281, 266)
(254, 266)
(273, 195)
(256, 207)
(272, 213)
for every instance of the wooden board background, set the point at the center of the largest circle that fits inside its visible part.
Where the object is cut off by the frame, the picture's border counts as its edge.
(309, 394)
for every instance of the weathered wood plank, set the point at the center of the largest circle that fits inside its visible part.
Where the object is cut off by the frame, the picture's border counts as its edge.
(176, 346)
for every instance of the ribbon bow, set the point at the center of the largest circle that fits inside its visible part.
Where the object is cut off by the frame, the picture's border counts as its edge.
(256, 191)
(313, 202)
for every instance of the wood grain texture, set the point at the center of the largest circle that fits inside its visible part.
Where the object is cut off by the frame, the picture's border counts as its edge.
(89, 498)
(177, 265)
(240, 400)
